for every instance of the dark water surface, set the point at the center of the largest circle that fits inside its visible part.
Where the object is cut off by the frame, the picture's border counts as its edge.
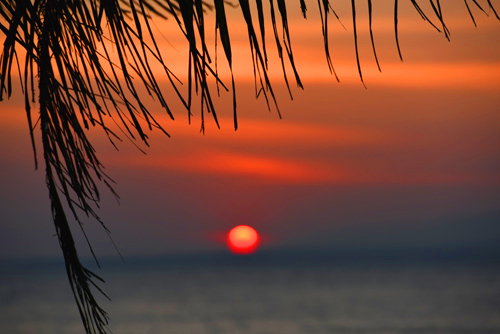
(223, 294)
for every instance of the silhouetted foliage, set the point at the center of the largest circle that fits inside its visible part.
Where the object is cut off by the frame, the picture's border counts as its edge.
(69, 69)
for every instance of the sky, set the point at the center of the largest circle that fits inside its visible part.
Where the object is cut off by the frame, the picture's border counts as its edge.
(410, 161)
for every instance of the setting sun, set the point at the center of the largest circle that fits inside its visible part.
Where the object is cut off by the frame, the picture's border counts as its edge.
(242, 239)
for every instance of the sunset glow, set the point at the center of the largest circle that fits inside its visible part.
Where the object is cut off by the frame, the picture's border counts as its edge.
(243, 240)
(418, 145)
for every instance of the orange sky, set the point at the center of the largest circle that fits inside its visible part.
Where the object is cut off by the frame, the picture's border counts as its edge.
(434, 65)
(428, 125)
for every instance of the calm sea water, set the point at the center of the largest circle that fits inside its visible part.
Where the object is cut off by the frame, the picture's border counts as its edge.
(246, 296)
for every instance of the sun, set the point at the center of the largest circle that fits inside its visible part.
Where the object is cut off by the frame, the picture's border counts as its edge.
(242, 240)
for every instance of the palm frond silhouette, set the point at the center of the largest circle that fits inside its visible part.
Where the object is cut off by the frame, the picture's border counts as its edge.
(85, 61)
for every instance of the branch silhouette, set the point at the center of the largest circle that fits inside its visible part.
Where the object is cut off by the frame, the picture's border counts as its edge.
(69, 69)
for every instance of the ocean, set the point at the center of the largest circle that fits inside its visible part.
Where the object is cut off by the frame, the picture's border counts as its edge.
(266, 295)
